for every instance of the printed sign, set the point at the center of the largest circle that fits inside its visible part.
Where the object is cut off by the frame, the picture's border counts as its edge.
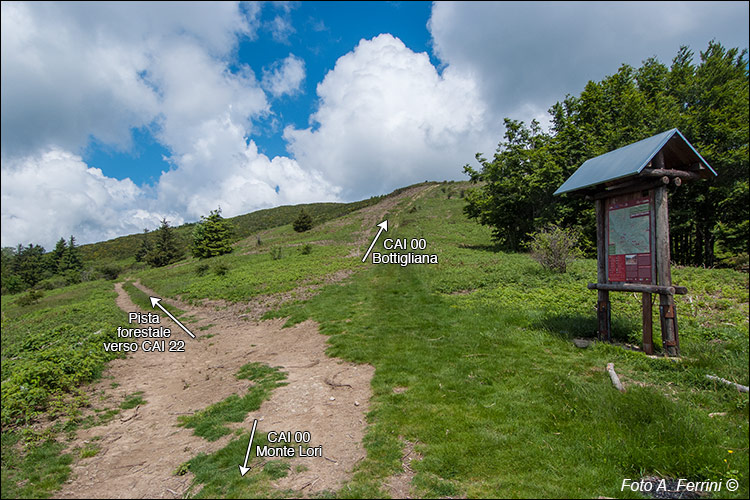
(629, 239)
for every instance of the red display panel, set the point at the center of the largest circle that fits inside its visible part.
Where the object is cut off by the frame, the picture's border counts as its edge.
(629, 237)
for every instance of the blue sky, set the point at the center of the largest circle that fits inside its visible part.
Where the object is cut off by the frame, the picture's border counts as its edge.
(116, 114)
(323, 31)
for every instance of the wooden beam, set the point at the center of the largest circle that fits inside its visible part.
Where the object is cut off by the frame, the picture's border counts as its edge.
(646, 185)
(660, 172)
(664, 273)
(648, 342)
(636, 287)
(602, 306)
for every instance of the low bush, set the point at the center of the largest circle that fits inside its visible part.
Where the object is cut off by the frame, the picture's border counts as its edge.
(555, 247)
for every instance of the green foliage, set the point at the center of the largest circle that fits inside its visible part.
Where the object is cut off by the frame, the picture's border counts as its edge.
(276, 253)
(165, 250)
(32, 297)
(109, 271)
(32, 470)
(212, 236)
(306, 249)
(201, 269)
(221, 269)
(71, 261)
(554, 247)
(54, 345)
(145, 248)
(707, 102)
(303, 222)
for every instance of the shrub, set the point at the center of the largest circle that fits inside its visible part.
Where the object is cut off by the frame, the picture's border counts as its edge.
(109, 271)
(221, 269)
(555, 247)
(276, 253)
(306, 250)
(32, 297)
(201, 269)
(303, 222)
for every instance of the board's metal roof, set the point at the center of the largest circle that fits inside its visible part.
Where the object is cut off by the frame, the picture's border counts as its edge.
(627, 161)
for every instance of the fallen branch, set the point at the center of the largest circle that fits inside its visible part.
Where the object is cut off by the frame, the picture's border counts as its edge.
(614, 377)
(336, 384)
(740, 387)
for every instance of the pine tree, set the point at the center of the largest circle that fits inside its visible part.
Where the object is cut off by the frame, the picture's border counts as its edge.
(142, 253)
(165, 250)
(303, 222)
(212, 236)
(71, 257)
(56, 255)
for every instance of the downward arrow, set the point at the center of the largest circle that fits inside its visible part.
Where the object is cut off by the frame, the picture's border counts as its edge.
(245, 468)
(155, 302)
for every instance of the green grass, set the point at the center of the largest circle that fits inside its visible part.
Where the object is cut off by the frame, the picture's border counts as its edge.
(502, 404)
(143, 300)
(53, 346)
(132, 401)
(34, 470)
(210, 422)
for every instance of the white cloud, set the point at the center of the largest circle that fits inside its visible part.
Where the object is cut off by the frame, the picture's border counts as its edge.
(55, 194)
(223, 169)
(387, 118)
(525, 56)
(281, 29)
(285, 76)
(75, 71)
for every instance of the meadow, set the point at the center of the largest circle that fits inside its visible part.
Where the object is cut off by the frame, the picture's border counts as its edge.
(474, 364)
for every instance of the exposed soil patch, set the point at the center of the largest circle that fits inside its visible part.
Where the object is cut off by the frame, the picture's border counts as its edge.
(142, 447)
(399, 485)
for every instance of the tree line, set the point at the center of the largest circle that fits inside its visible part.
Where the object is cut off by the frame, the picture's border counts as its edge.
(29, 267)
(24, 267)
(707, 102)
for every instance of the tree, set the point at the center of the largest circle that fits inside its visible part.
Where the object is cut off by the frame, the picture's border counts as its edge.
(707, 102)
(55, 256)
(165, 250)
(303, 222)
(212, 236)
(71, 258)
(145, 248)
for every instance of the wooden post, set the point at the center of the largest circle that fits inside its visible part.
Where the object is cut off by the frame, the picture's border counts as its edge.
(667, 313)
(602, 305)
(648, 343)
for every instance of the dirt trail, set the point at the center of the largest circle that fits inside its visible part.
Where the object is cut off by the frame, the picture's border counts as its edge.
(142, 447)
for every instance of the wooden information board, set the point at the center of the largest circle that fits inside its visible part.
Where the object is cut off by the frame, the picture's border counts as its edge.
(630, 239)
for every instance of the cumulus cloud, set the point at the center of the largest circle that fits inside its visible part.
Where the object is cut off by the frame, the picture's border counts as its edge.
(223, 169)
(285, 76)
(71, 72)
(525, 56)
(387, 118)
(57, 195)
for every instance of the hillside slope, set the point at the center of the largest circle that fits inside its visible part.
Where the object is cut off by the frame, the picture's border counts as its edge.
(448, 379)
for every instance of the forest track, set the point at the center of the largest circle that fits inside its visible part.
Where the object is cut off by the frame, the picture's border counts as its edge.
(142, 447)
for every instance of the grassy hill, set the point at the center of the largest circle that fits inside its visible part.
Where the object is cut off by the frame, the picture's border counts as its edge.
(474, 364)
(122, 248)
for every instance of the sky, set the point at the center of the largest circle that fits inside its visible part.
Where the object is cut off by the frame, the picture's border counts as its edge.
(116, 115)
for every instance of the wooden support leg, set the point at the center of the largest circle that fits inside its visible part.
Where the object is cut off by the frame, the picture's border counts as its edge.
(668, 316)
(604, 317)
(648, 344)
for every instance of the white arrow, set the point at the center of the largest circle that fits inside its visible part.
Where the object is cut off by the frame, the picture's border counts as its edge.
(155, 302)
(245, 468)
(383, 227)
